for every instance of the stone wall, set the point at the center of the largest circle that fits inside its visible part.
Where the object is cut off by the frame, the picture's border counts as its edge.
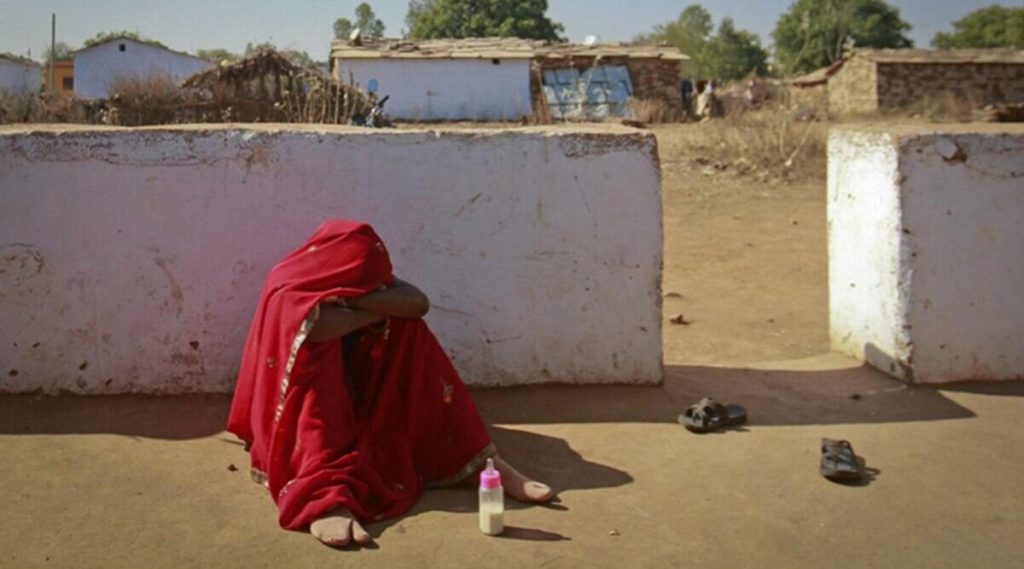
(926, 233)
(131, 260)
(809, 101)
(852, 90)
(865, 86)
(977, 84)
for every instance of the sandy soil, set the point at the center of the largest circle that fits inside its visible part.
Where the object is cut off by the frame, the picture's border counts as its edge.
(143, 482)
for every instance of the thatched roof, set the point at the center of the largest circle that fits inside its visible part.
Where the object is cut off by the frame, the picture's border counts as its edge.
(260, 64)
(818, 76)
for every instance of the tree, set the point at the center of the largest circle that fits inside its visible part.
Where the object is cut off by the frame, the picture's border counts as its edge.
(733, 54)
(481, 18)
(343, 28)
(62, 51)
(218, 55)
(729, 54)
(690, 33)
(370, 26)
(815, 33)
(995, 26)
(104, 37)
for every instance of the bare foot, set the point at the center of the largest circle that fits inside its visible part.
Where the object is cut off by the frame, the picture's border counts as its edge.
(338, 529)
(519, 486)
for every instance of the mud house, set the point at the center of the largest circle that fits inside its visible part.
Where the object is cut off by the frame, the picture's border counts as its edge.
(19, 75)
(99, 67)
(508, 78)
(871, 80)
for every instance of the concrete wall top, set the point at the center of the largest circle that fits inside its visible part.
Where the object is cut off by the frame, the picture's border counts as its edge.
(132, 259)
(926, 243)
(897, 131)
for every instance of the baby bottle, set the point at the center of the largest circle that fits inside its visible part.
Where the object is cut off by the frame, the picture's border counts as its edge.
(492, 501)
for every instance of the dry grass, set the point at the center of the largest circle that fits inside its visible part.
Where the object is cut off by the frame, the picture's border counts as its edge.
(952, 105)
(767, 144)
(653, 111)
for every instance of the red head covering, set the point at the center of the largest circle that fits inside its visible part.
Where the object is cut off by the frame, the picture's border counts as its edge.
(364, 429)
(342, 258)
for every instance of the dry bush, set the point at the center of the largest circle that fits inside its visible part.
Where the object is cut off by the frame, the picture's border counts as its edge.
(35, 108)
(143, 100)
(15, 107)
(653, 111)
(63, 108)
(540, 114)
(950, 105)
(770, 144)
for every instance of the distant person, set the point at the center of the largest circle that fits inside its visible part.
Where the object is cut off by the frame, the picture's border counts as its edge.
(706, 102)
(686, 92)
(347, 403)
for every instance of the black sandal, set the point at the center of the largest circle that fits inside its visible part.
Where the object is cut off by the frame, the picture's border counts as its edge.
(710, 415)
(838, 461)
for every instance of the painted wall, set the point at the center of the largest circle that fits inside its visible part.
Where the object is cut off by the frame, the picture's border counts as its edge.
(132, 260)
(926, 242)
(19, 78)
(97, 69)
(63, 77)
(446, 89)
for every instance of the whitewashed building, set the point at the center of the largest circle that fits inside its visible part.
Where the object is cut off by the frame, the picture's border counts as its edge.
(505, 79)
(99, 67)
(19, 75)
(468, 79)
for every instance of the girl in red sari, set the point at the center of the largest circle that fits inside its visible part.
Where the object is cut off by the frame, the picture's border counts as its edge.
(347, 404)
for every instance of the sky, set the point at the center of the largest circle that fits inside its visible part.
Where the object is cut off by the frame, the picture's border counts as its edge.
(188, 25)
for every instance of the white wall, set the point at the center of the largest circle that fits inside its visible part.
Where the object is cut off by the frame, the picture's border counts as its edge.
(98, 68)
(20, 78)
(132, 260)
(449, 89)
(926, 250)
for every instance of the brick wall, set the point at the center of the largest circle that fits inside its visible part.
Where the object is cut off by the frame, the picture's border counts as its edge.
(901, 84)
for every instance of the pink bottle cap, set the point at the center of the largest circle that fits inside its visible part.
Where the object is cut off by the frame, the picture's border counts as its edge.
(489, 477)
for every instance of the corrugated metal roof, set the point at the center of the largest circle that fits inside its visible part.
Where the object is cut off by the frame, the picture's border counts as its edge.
(494, 48)
(941, 55)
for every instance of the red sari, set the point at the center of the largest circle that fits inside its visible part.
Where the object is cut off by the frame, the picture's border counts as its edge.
(366, 422)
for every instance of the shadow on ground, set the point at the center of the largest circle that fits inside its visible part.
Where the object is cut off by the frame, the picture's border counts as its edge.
(550, 459)
(772, 397)
(784, 396)
(174, 418)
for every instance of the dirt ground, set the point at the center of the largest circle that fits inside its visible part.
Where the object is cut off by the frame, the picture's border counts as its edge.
(147, 482)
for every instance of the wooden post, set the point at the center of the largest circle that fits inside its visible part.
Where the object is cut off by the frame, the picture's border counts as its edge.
(53, 53)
